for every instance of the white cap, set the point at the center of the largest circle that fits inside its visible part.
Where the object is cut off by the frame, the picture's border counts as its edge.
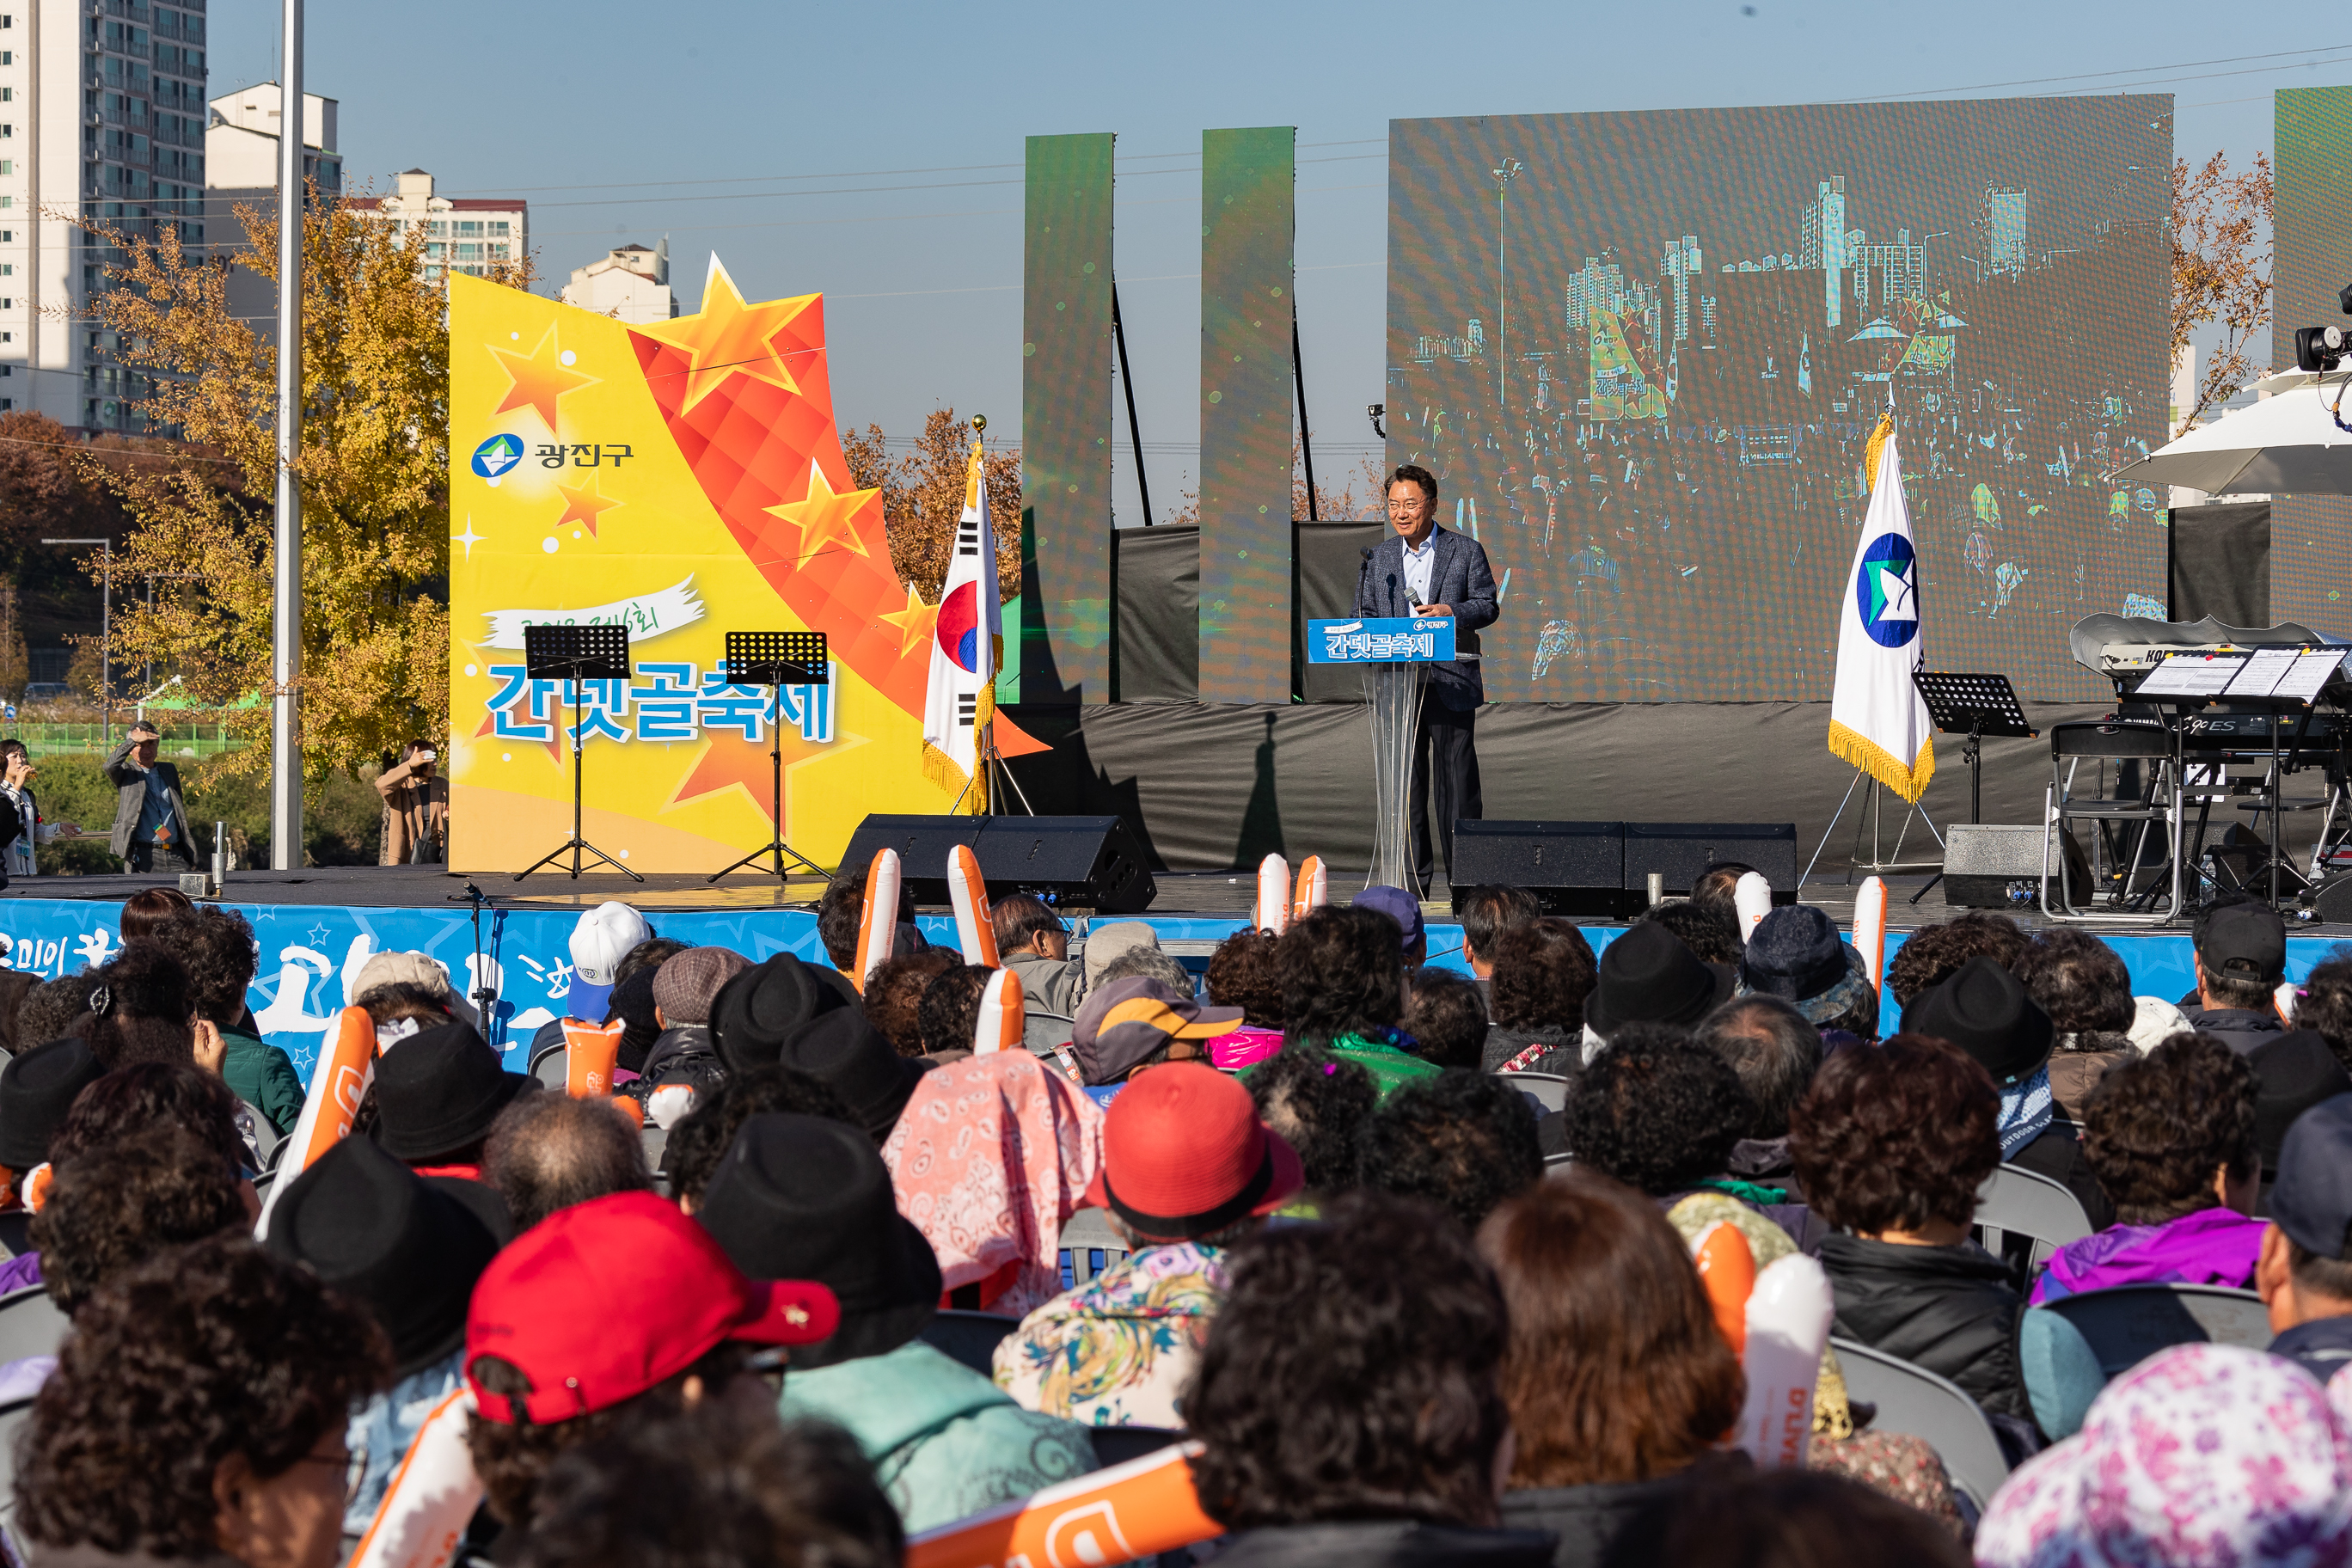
(601, 939)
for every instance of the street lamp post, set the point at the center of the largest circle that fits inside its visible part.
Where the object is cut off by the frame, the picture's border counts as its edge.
(286, 639)
(1511, 170)
(105, 632)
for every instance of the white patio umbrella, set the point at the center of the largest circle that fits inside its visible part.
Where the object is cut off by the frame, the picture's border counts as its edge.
(2288, 442)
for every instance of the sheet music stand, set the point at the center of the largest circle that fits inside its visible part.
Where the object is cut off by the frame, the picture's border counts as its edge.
(1975, 706)
(775, 660)
(574, 654)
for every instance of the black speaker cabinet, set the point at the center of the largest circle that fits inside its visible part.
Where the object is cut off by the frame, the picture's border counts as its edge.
(1679, 851)
(1572, 867)
(1076, 862)
(1984, 863)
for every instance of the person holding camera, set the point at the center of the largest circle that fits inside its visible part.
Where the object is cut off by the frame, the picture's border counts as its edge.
(150, 821)
(416, 808)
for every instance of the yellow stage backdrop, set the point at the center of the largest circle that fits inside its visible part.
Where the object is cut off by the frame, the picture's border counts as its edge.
(683, 478)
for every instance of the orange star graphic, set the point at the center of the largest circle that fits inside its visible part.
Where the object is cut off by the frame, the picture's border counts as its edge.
(825, 515)
(914, 622)
(583, 504)
(728, 338)
(538, 378)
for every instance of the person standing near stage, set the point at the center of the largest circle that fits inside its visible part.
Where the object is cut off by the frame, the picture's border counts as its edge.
(150, 822)
(416, 807)
(1422, 569)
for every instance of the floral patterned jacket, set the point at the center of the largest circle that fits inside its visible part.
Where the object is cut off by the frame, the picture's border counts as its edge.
(1117, 1351)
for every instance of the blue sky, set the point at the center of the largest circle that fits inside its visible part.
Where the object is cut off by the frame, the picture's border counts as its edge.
(873, 151)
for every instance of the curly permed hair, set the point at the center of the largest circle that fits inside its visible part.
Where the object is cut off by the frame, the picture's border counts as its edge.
(1703, 930)
(1320, 1103)
(112, 1207)
(1447, 1018)
(1544, 971)
(215, 946)
(1342, 972)
(1657, 1109)
(2079, 981)
(1243, 974)
(894, 995)
(2323, 1002)
(136, 1101)
(140, 1009)
(1930, 953)
(2156, 1128)
(212, 1350)
(950, 1008)
(1464, 1139)
(1340, 1381)
(1892, 1137)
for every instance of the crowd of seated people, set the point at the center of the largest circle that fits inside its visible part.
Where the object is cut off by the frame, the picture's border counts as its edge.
(1407, 1252)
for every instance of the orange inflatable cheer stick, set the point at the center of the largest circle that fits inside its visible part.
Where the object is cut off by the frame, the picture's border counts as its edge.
(344, 1072)
(590, 1051)
(1133, 1511)
(1870, 926)
(1003, 1015)
(1728, 1268)
(1272, 911)
(975, 933)
(432, 1495)
(877, 926)
(1314, 888)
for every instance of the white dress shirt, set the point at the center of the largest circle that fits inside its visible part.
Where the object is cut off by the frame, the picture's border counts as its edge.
(1420, 566)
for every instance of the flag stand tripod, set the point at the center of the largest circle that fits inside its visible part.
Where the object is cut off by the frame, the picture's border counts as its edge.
(1874, 808)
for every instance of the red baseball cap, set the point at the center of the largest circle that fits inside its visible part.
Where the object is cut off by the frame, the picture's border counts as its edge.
(1184, 1155)
(603, 1301)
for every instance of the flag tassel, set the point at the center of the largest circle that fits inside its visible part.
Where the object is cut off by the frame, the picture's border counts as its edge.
(1862, 752)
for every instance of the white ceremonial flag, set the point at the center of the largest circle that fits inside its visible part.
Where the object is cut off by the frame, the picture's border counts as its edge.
(1877, 721)
(966, 642)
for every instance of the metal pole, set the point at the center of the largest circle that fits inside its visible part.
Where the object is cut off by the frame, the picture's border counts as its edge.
(285, 723)
(1306, 437)
(1134, 429)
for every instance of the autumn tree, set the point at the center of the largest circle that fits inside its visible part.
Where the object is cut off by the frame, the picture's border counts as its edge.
(372, 471)
(922, 500)
(2220, 270)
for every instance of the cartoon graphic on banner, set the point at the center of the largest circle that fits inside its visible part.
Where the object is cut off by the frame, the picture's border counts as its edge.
(684, 478)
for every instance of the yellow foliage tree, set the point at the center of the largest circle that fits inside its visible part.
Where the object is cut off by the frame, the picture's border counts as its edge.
(2220, 270)
(922, 497)
(374, 472)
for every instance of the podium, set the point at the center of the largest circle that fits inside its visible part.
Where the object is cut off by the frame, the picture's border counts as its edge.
(1394, 653)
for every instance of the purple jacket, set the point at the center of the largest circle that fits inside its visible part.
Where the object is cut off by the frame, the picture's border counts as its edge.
(2212, 1246)
(19, 1271)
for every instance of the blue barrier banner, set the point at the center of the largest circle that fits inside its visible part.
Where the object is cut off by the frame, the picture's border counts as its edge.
(1381, 639)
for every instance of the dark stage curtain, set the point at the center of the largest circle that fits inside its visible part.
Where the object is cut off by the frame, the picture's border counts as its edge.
(1157, 574)
(2221, 563)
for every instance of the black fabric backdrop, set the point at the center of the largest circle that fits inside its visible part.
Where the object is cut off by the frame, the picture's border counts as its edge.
(2221, 563)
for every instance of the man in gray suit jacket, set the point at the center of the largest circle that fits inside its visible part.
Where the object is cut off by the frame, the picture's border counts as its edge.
(1421, 569)
(150, 822)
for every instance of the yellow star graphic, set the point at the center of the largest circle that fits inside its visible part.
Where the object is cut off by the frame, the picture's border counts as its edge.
(730, 338)
(825, 516)
(538, 378)
(583, 504)
(914, 622)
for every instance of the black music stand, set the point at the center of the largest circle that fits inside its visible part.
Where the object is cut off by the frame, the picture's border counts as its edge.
(775, 660)
(1975, 706)
(575, 654)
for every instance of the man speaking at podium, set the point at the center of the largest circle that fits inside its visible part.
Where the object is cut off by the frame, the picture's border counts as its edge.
(1423, 570)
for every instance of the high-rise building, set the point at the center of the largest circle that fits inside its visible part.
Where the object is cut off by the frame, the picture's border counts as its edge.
(461, 234)
(2005, 217)
(1680, 263)
(241, 143)
(630, 283)
(1886, 273)
(103, 118)
(1822, 243)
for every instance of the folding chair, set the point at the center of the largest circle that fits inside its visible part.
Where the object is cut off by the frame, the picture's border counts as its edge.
(1916, 1402)
(2128, 1323)
(968, 1338)
(30, 1324)
(2073, 799)
(264, 1137)
(547, 1065)
(1043, 1032)
(1089, 1236)
(2031, 1204)
(1549, 1089)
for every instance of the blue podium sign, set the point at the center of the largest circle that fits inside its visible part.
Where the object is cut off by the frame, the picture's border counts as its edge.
(1399, 639)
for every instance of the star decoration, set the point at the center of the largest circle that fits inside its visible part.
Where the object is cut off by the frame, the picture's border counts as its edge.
(469, 537)
(583, 504)
(729, 337)
(825, 515)
(538, 378)
(914, 622)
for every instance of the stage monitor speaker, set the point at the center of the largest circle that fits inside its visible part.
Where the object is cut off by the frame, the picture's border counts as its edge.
(923, 843)
(1988, 865)
(1679, 851)
(2332, 901)
(1075, 862)
(1072, 862)
(1572, 867)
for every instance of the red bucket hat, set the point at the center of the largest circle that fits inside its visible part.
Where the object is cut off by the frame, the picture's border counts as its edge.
(601, 1301)
(1185, 1155)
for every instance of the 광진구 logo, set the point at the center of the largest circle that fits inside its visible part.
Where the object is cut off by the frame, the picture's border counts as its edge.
(494, 457)
(1886, 591)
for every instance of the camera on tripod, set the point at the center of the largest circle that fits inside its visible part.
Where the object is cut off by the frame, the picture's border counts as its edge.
(2325, 348)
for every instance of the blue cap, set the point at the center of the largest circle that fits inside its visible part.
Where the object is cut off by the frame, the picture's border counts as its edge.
(1397, 904)
(2312, 1200)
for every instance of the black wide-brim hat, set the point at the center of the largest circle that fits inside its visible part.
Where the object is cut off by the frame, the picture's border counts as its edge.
(406, 1249)
(841, 1050)
(806, 1197)
(1647, 976)
(754, 1012)
(37, 1089)
(439, 1090)
(1984, 1009)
